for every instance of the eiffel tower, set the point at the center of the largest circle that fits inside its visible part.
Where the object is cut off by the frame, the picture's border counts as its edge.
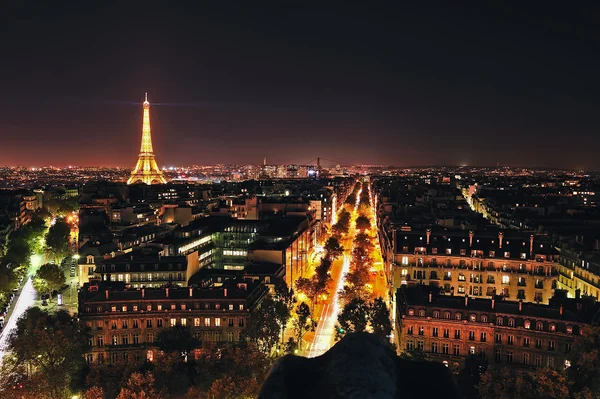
(146, 170)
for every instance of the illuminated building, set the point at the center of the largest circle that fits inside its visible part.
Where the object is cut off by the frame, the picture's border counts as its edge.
(449, 328)
(124, 323)
(146, 170)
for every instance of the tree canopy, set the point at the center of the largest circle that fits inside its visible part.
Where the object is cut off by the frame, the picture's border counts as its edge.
(49, 277)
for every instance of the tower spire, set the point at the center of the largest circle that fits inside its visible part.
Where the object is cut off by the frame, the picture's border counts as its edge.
(146, 170)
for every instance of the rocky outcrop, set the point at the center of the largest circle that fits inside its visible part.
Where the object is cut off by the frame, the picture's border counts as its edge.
(361, 366)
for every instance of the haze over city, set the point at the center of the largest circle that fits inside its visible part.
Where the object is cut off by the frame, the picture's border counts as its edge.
(403, 85)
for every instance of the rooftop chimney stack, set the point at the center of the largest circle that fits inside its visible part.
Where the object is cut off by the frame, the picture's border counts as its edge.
(466, 300)
(520, 305)
(143, 292)
(471, 234)
(428, 235)
(493, 303)
(430, 297)
(191, 292)
(531, 245)
(560, 309)
(106, 293)
(167, 292)
(225, 292)
(500, 238)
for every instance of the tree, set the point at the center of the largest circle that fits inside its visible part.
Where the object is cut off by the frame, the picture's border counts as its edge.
(94, 393)
(52, 277)
(333, 248)
(140, 386)
(585, 362)
(505, 383)
(177, 339)
(379, 319)
(57, 238)
(262, 326)
(52, 345)
(284, 303)
(414, 354)
(353, 318)
(469, 377)
(363, 241)
(363, 223)
(303, 322)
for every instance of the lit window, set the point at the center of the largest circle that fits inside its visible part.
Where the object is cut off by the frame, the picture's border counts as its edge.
(184, 322)
(207, 321)
(217, 322)
(505, 279)
(173, 322)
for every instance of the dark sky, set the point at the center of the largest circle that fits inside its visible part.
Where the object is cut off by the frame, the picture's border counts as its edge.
(234, 82)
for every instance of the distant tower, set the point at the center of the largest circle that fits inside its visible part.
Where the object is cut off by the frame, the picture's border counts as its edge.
(265, 161)
(146, 170)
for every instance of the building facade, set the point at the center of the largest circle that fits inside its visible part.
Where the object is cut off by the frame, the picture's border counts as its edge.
(123, 324)
(448, 329)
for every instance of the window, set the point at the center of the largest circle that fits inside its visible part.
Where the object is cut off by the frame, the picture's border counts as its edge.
(411, 312)
(231, 306)
(484, 319)
(526, 342)
(569, 329)
(457, 316)
(124, 308)
(113, 308)
(207, 321)
(551, 346)
(510, 340)
(497, 354)
(499, 321)
(421, 330)
(159, 307)
(150, 337)
(509, 356)
(410, 345)
(136, 338)
(483, 337)
(525, 359)
(173, 306)
(124, 324)
(446, 333)
(511, 322)
(472, 317)
(217, 322)
(159, 323)
(538, 344)
(150, 356)
(183, 321)
(527, 324)
(241, 322)
(100, 340)
(149, 323)
(567, 364)
(471, 335)
(539, 326)
(550, 362)
(568, 348)
(498, 338)
(183, 306)
(196, 322)
(456, 334)
(135, 324)
(436, 314)
(149, 308)
(422, 313)
(114, 340)
(445, 349)
(230, 322)
(446, 315)
(125, 339)
(552, 327)
(505, 279)
(173, 322)
(420, 346)
(434, 347)
(538, 361)
(456, 350)
(435, 331)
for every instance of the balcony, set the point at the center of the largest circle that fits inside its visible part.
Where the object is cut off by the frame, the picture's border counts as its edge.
(522, 283)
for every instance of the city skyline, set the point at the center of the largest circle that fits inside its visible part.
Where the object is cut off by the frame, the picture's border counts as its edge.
(396, 86)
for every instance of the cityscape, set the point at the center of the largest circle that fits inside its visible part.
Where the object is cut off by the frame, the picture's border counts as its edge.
(181, 247)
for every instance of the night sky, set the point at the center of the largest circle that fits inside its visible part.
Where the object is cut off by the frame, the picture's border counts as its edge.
(233, 82)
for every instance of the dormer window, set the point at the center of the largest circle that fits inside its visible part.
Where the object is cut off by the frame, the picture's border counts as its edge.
(446, 315)
(484, 319)
(527, 324)
(569, 329)
(448, 251)
(499, 321)
(507, 254)
(463, 252)
(511, 322)
(422, 313)
(436, 314)
(434, 251)
(411, 312)
(473, 317)
(492, 254)
(539, 326)
(552, 327)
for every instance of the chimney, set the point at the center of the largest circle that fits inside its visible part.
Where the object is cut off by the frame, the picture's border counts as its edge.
(493, 303)
(428, 235)
(143, 292)
(500, 238)
(471, 234)
(466, 300)
(224, 291)
(531, 245)
(191, 292)
(520, 305)
(106, 293)
(560, 309)
(430, 297)
(167, 291)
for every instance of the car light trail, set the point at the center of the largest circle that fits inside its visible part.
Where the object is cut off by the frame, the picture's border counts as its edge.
(25, 300)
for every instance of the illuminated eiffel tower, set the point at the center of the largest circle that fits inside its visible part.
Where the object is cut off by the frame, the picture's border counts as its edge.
(146, 170)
